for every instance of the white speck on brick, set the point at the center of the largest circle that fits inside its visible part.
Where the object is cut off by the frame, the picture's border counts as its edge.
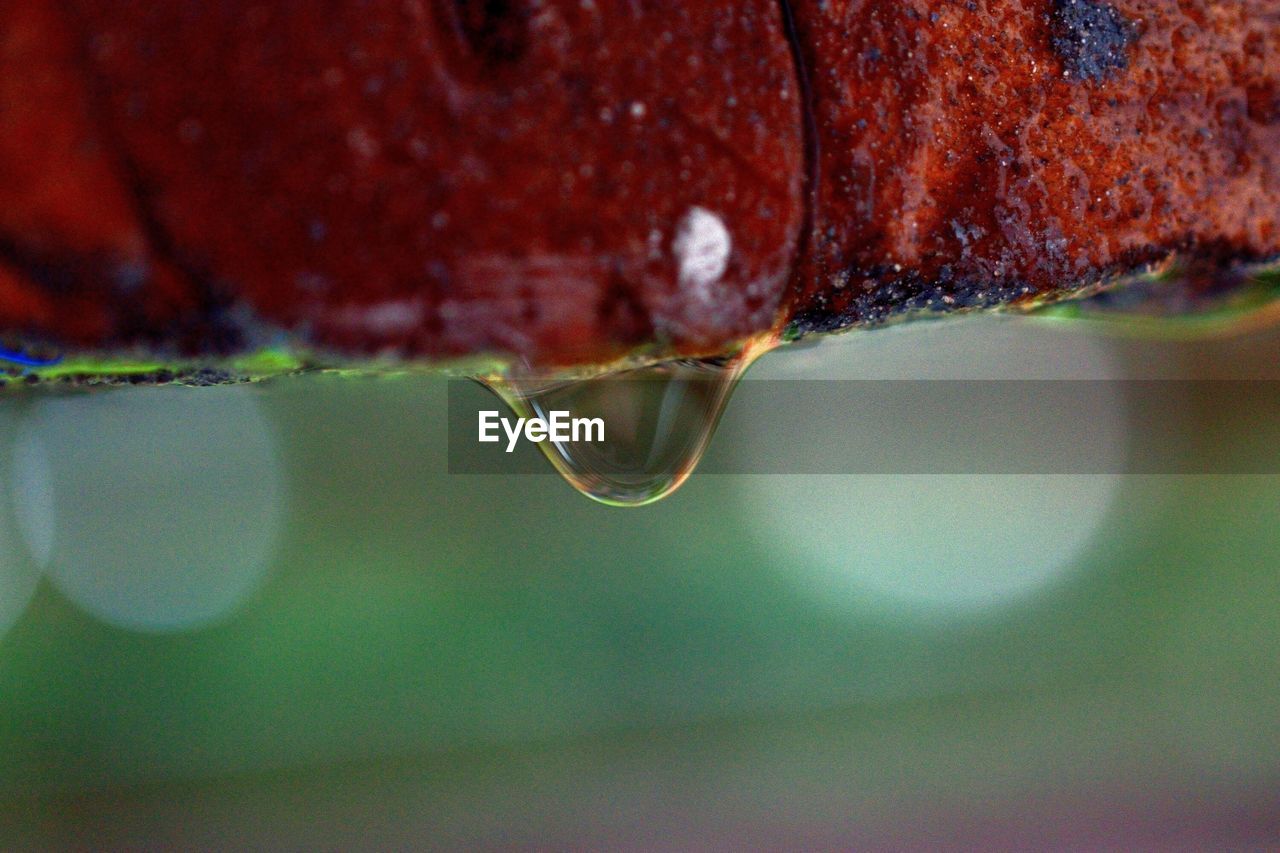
(701, 246)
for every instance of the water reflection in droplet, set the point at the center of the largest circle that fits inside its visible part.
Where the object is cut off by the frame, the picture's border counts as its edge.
(658, 422)
(156, 509)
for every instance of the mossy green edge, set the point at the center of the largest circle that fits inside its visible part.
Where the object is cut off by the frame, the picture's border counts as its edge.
(263, 364)
(1224, 316)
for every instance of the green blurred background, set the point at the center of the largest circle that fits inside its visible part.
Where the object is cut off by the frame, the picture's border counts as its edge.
(264, 615)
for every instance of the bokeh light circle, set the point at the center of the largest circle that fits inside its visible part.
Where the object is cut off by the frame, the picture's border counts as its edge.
(19, 574)
(155, 509)
(956, 543)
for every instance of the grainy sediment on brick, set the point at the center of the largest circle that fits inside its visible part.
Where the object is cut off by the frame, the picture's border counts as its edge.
(984, 153)
(566, 183)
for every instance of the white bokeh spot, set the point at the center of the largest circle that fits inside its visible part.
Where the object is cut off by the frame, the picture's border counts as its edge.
(155, 510)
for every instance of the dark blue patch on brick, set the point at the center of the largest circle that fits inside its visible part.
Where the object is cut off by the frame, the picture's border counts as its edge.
(1091, 38)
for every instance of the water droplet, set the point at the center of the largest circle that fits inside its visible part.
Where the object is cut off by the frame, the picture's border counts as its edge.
(658, 420)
